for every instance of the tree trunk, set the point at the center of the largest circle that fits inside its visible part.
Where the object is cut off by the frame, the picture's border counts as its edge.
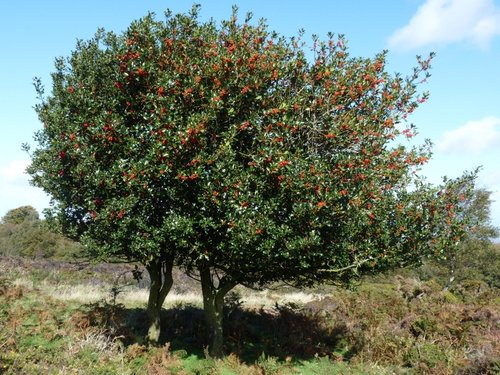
(213, 306)
(160, 273)
(452, 265)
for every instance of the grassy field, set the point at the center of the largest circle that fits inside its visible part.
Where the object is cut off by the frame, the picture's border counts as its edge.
(62, 318)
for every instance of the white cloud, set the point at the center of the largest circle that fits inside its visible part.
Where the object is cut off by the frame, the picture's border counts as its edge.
(492, 179)
(24, 195)
(475, 137)
(449, 21)
(15, 190)
(15, 170)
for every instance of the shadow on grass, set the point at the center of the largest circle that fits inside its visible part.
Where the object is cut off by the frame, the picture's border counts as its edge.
(285, 332)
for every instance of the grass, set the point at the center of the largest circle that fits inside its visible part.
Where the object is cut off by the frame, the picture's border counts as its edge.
(59, 320)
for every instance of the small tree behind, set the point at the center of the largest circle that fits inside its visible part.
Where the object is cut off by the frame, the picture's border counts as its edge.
(23, 233)
(20, 215)
(476, 257)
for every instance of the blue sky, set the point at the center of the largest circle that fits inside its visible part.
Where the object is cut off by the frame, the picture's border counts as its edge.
(462, 116)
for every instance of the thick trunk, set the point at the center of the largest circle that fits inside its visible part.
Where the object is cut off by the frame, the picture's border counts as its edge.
(213, 306)
(213, 315)
(160, 273)
(154, 322)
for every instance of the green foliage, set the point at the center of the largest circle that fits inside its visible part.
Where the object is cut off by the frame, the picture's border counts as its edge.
(22, 233)
(20, 215)
(228, 146)
(478, 209)
(476, 258)
(227, 150)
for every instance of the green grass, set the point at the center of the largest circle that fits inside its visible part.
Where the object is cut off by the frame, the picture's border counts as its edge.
(393, 326)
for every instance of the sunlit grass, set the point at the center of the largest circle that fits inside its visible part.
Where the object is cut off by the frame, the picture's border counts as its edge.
(131, 295)
(268, 298)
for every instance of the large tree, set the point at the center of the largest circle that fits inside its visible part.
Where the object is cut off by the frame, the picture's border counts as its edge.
(239, 155)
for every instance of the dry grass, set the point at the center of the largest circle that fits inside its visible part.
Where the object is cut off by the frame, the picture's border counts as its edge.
(268, 299)
(129, 296)
(96, 339)
(133, 296)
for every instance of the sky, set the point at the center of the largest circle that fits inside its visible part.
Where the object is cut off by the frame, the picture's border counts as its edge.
(461, 117)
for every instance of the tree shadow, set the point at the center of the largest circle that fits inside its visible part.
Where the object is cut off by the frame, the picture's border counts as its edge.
(284, 332)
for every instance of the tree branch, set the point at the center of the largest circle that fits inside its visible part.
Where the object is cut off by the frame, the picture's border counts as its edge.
(355, 265)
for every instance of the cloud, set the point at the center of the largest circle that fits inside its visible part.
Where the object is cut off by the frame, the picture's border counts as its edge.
(475, 137)
(14, 171)
(449, 21)
(16, 190)
(492, 178)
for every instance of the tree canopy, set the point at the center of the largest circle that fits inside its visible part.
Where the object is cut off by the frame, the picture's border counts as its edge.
(20, 215)
(23, 233)
(241, 156)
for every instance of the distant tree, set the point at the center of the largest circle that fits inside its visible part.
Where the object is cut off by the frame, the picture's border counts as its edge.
(17, 228)
(478, 209)
(21, 214)
(477, 242)
(233, 153)
(22, 233)
(477, 257)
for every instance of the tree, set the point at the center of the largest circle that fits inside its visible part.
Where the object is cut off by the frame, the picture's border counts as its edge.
(478, 208)
(22, 233)
(20, 215)
(477, 243)
(231, 152)
(476, 258)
